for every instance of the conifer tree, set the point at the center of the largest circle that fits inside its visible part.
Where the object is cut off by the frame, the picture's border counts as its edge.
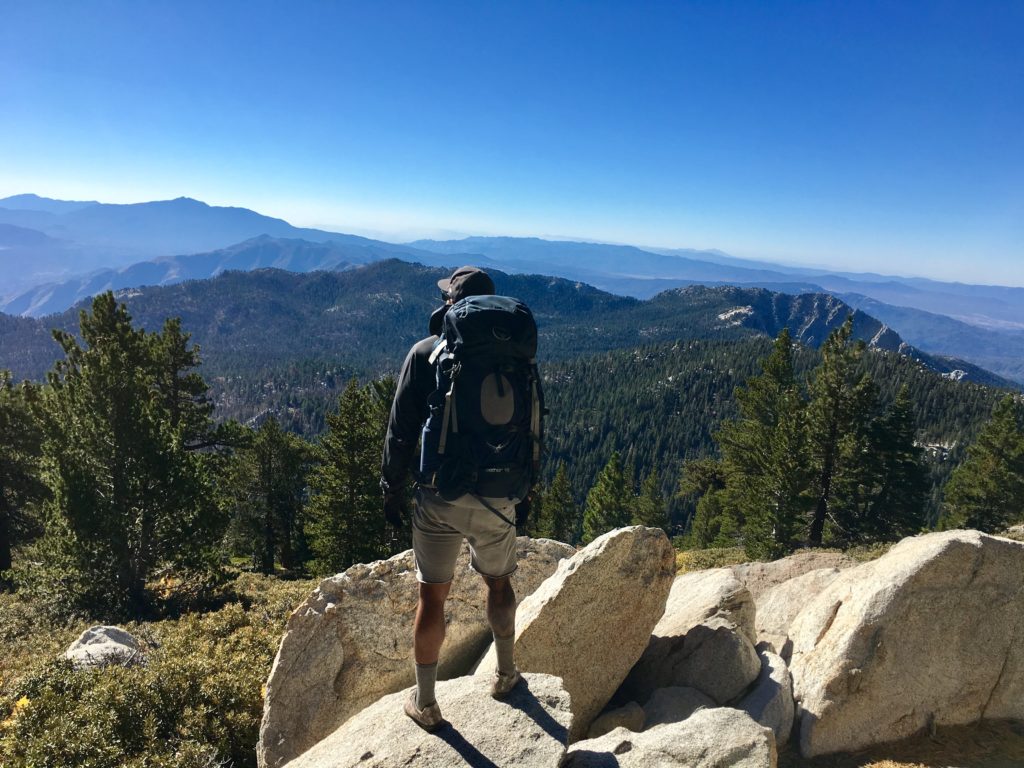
(126, 494)
(264, 490)
(987, 491)
(649, 506)
(20, 484)
(559, 512)
(609, 504)
(840, 403)
(764, 457)
(703, 480)
(891, 500)
(345, 522)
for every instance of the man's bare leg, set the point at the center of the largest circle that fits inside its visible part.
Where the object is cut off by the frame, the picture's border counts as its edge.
(501, 614)
(428, 636)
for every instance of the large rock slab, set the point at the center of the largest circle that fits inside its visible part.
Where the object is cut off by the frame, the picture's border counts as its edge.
(770, 702)
(350, 643)
(761, 577)
(102, 646)
(527, 729)
(711, 738)
(705, 640)
(777, 607)
(927, 635)
(590, 622)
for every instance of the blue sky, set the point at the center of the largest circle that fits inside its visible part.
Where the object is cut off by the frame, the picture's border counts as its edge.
(859, 135)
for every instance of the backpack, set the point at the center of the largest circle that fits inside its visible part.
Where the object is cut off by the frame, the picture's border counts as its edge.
(484, 432)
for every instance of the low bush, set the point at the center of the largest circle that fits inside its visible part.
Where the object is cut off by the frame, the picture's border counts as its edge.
(197, 702)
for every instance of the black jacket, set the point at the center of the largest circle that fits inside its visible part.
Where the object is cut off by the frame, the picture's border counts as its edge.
(409, 411)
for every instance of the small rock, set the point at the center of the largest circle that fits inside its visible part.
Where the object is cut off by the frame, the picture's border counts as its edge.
(102, 646)
(711, 738)
(673, 705)
(770, 702)
(629, 716)
(704, 640)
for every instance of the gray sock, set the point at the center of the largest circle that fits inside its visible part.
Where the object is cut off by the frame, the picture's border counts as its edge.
(426, 676)
(503, 646)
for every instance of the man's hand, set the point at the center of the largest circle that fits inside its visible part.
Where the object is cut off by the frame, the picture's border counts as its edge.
(522, 512)
(396, 510)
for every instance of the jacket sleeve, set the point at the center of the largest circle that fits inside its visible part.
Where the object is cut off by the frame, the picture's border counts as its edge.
(409, 411)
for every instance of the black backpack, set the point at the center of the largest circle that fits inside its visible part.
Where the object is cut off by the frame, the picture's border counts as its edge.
(484, 432)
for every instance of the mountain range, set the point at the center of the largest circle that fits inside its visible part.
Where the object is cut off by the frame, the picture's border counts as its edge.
(54, 254)
(366, 317)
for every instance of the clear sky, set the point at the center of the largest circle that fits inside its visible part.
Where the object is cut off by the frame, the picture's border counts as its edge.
(882, 136)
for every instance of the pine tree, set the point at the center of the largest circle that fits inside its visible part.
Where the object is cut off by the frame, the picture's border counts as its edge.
(127, 496)
(702, 479)
(610, 502)
(987, 491)
(20, 484)
(558, 511)
(840, 405)
(264, 490)
(649, 506)
(345, 521)
(764, 457)
(895, 491)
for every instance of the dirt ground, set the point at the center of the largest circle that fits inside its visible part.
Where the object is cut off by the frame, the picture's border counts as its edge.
(986, 745)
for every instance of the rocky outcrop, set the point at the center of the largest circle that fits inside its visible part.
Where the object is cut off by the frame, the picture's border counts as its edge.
(630, 717)
(350, 643)
(711, 738)
(770, 701)
(590, 622)
(705, 640)
(777, 607)
(525, 730)
(929, 634)
(102, 646)
(762, 577)
(673, 705)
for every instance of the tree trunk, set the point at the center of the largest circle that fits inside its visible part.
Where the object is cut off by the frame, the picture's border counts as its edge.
(5, 545)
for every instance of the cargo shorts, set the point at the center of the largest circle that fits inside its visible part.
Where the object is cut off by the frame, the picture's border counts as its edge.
(439, 526)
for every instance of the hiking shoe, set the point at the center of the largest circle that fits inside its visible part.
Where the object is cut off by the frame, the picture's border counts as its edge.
(429, 718)
(504, 682)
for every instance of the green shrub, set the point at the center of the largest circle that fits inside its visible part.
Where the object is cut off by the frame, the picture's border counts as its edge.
(197, 701)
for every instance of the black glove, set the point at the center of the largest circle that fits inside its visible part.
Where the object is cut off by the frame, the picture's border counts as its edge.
(395, 509)
(522, 512)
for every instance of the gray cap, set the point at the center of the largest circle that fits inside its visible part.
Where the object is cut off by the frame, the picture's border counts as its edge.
(467, 281)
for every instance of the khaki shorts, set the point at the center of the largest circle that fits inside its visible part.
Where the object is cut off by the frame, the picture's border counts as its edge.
(438, 528)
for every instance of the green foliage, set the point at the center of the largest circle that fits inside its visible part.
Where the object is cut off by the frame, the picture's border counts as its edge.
(764, 457)
(264, 489)
(128, 492)
(556, 513)
(610, 502)
(987, 491)
(196, 703)
(649, 506)
(345, 521)
(20, 485)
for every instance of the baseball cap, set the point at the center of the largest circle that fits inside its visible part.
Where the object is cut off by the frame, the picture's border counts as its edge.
(467, 281)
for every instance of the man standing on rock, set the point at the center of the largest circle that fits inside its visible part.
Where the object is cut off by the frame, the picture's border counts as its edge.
(469, 392)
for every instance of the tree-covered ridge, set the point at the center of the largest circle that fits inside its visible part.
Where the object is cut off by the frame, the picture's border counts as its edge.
(365, 319)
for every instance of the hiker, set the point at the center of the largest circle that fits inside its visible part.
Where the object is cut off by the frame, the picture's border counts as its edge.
(469, 393)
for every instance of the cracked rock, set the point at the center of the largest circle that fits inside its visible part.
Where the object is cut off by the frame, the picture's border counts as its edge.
(927, 635)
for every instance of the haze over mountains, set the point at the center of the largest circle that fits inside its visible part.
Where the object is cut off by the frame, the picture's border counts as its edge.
(54, 254)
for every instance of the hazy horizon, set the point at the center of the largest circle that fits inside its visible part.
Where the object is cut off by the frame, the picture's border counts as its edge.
(860, 137)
